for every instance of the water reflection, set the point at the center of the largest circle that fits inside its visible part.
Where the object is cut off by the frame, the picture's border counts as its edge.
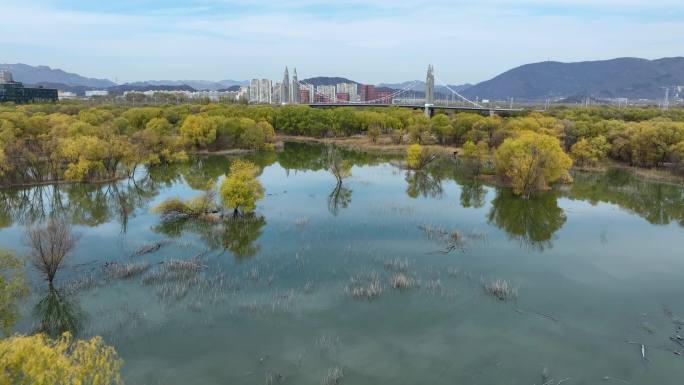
(237, 235)
(473, 194)
(532, 222)
(422, 183)
(658, 203)
(57, 313)
(341, 168)
(79, 204)
(96, 204)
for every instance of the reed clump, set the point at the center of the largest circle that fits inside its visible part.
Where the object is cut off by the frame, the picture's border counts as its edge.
(365, 286)
(125, 270)
(402, 282)
(500, 289)
(334, 376)
(397, 264)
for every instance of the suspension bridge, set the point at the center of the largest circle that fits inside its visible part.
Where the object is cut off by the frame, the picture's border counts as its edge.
(405, 98)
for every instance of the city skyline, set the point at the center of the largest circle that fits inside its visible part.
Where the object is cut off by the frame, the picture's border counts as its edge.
(371, 41)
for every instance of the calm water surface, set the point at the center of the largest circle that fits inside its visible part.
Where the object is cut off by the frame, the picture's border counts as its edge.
(596, 265)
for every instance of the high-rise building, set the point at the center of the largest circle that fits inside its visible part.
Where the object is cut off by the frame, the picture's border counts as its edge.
(260, 91)
(295, 88)
(285, 88)
(349, 88)
(254, 91)
(327, 93)
(304, 96)
(367, 93)
(383, 95)
(276, 94)
(5, 77)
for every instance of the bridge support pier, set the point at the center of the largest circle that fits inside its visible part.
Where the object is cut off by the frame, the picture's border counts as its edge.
(429, 111)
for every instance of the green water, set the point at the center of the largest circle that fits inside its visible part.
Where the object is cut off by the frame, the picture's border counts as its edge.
(595, 264)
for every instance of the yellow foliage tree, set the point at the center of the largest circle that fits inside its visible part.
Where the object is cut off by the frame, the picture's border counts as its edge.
(198, 130)
(590, 151)
(531, 162)
(414, 156)
(241, 189)
(475, 154)
(12, 287)
(39, 360)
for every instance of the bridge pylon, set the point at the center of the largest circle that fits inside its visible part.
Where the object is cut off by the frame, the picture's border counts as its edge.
(429, 90)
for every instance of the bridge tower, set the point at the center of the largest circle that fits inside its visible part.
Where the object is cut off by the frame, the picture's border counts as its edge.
(429, 90)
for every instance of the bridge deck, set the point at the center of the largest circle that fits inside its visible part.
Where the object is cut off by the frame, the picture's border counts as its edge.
(416, 107)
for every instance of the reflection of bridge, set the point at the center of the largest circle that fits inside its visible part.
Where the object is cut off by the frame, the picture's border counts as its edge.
(400, 98)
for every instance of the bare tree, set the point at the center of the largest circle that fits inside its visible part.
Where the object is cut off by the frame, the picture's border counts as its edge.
(50, 246)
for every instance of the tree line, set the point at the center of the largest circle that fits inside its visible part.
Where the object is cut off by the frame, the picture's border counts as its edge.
(80, 142)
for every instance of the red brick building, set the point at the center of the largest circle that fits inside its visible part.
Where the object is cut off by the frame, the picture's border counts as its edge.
(320, 98)
(367, 93)
(342, 96)
(384, 96)
(304, 96)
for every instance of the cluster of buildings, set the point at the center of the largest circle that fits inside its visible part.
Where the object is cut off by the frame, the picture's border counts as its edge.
(292, 91)
(11, 91)
(260, 91)
(214, 96)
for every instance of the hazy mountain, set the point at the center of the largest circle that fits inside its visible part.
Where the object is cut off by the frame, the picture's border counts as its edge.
(617, 78)
(142, 87)
(327, 81)
(42, 74)
(419, 85)
(78, 90)
(196, 84)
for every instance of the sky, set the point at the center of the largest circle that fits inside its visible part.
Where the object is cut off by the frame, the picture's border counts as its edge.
(370, 41)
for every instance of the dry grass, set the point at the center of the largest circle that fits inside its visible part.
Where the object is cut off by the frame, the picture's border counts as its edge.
(500, 289)
(147, 249)
(397, 264)
(125, 270)
(328, 342)
(365, 286)
(334, 377)
(402, 282)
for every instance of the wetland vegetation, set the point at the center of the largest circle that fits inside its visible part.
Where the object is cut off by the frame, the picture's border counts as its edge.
(315, 263)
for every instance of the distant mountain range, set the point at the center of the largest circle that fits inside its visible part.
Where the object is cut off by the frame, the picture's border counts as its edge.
(42, 74)
(196, 84)
(419, 85)
(327, 81)
(618, 78)
(631, 78)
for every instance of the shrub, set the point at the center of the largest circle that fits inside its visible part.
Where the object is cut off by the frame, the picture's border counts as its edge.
(39, 360)
(590, 151)
(241, 189)
(414, 156)
(531, 162)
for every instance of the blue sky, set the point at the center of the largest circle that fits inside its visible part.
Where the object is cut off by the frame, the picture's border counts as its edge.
(366, 40)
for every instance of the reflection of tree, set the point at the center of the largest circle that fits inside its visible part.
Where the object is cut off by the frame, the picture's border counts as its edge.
(340, 197)
(240, 234)
(236, 235)
(472, 194)
(81, 203)
(532, 221)
(423, 183)
(315, 157)
(57, 313)
(659, 203)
